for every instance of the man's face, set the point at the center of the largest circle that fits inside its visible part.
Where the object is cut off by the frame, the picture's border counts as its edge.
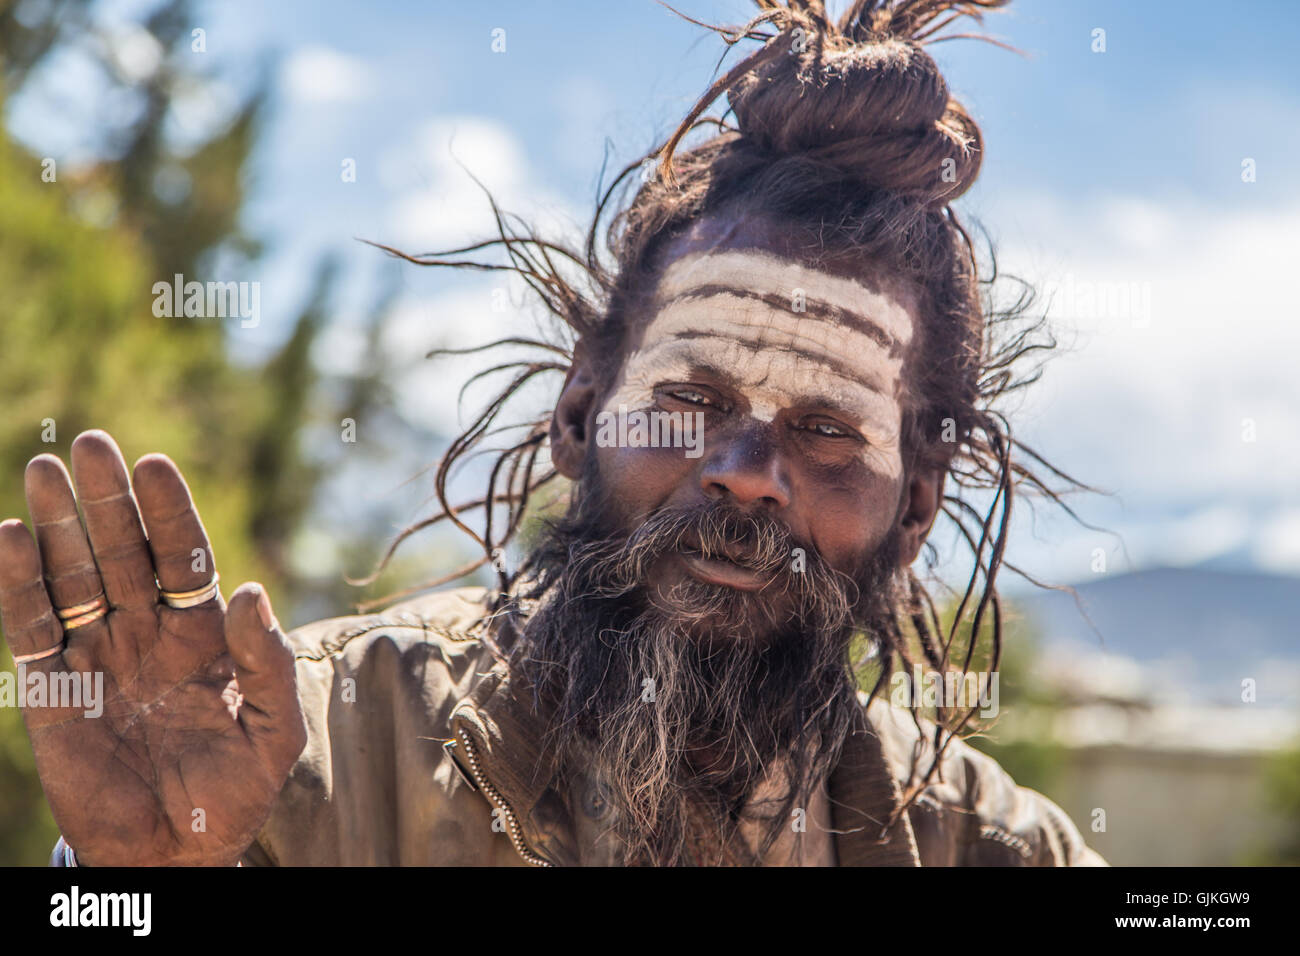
(678, 565)
(798, 372)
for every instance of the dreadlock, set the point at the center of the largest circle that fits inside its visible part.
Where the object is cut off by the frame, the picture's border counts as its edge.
(846, 131)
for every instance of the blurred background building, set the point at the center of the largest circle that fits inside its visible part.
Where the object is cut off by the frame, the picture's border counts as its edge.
(1176, 708)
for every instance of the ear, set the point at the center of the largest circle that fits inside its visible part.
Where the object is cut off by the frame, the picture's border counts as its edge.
(920, 506)
(568, 431)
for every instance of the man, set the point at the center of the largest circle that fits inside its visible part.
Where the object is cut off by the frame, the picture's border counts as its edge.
(668, 679)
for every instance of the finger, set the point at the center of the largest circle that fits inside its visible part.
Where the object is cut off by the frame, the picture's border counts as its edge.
(30, 626)
(182, 555)
(71, 577)
(264, 664)
(113, 521)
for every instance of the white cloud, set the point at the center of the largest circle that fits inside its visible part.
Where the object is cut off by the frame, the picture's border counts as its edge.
(428, 391)
(439, 204)
(1187, 411)
(1277, 547)
(1137, 223)
(319, 75)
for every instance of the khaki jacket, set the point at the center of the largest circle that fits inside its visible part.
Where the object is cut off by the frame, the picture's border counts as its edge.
(420, 753)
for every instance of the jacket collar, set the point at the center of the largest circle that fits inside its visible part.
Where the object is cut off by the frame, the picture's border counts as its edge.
(506, 725)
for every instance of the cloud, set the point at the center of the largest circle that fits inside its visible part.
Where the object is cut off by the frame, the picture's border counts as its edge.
(1277, 546)
(318, 75)
(438, 203)
(435, 203)
(1196, 396)
(479, 312)
(1180, 395)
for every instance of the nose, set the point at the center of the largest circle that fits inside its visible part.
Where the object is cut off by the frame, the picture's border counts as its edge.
(748, 467)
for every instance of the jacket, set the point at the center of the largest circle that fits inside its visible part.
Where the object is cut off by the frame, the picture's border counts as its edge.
(420, 752)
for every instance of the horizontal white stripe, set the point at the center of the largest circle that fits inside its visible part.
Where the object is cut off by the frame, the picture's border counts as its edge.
(767, 274)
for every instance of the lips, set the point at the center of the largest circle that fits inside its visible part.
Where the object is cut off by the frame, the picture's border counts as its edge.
(723, 572)
(726, 564)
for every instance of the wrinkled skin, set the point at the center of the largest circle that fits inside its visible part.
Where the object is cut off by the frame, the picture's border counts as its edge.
(201, 721)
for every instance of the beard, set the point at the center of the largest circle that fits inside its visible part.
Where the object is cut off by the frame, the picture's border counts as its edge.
(683, 699)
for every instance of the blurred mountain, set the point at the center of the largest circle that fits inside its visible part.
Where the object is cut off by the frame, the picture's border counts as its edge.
(1197, 633)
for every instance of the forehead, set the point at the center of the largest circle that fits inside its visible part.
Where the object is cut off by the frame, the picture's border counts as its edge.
(781, 324)
(784, 334)
(759, 295)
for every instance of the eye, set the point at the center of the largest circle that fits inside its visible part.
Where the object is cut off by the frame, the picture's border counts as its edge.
(692, 396)
(830, 429)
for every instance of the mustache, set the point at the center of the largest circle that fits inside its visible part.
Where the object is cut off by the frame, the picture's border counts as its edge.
(617, 566)
(752, 540)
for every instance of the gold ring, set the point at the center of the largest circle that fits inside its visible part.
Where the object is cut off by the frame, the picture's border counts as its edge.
(94, 604)
(39, 655)
(83, 619)
(183, 599)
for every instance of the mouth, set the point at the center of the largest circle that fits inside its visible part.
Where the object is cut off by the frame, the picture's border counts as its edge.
(728, 567)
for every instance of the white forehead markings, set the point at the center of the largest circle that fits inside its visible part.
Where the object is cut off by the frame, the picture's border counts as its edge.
(757, 325)
(762, 272)
(751, 342)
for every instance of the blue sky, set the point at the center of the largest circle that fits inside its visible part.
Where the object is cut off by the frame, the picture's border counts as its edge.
(1105, 174)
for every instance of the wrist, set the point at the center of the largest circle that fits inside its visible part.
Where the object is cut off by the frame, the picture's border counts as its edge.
(63, 855)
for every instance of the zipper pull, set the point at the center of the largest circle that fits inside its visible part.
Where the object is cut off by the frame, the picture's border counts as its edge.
(450, 747)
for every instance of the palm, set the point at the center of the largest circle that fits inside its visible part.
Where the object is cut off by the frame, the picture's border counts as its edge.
(200, 720)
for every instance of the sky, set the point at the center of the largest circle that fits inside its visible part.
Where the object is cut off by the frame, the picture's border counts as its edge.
(1148, 189)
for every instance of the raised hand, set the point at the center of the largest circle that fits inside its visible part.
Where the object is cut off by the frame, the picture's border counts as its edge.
(200, 719)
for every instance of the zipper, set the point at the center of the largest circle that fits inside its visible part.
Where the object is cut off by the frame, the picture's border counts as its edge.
(494, 796)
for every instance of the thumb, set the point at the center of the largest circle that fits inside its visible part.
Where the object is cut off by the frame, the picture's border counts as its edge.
(264, 665)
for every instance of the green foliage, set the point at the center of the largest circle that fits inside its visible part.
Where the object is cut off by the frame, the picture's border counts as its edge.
(1032, 759)
(81, 347)
(1281, 789)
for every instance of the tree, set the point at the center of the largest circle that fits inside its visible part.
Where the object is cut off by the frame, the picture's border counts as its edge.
(79, 256)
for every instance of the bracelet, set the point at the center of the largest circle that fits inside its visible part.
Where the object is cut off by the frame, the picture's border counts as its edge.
(63, 854)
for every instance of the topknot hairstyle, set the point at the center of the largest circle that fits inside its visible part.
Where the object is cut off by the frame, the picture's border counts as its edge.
(862, 95)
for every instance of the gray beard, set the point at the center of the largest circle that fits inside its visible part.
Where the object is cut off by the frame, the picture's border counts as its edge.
(683, 711)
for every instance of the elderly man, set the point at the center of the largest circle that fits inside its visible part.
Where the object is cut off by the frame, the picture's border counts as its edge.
(793, 316)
